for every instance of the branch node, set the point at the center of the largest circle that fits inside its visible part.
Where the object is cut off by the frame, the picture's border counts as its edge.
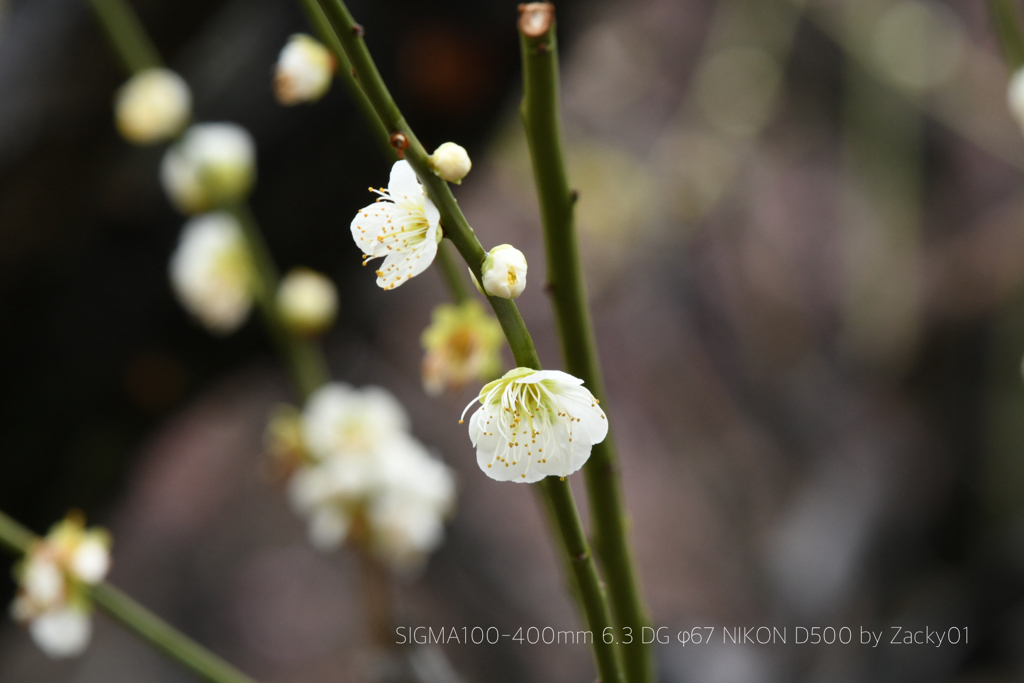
(581, 556)
(400, 143)
(574, 196)
(536, 18)
(358, 30)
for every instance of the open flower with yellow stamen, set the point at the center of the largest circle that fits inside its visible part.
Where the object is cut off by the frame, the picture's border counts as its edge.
(535, 423)
(462, 343)
(403, 226)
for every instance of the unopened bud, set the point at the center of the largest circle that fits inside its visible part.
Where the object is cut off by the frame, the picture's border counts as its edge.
(152, 106)
(504, 272)
(212, 165)
(307, 301)
(304, 71)
(451, 162)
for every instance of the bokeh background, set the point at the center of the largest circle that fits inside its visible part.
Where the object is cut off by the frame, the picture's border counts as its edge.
(803, 232)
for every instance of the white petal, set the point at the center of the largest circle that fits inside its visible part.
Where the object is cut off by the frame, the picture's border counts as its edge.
(399, 267)
(591, 423)
(432, 214)
(403, 183)
(328, 528)
(43, 581)
(551, 375)
(370, 223)
(91, 560)
(63, 632)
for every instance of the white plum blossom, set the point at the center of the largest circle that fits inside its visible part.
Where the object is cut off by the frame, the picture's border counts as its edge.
(211, 271)
(304, 71)
(212, 165)
(504, 272)
(152, 106)
(535, 423)
(403, 226)
(53, 578)
(365, 479)
(451, 162)
(340, 419)
(307, 301)
(62, 632)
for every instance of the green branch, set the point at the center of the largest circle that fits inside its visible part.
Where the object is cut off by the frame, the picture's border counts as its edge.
(125, 33)
(540, 115)
(1006, 22)
(457, 229)
(137, 618)
(304, 357)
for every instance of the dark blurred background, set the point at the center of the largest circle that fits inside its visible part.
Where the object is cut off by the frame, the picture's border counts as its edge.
(803, 230)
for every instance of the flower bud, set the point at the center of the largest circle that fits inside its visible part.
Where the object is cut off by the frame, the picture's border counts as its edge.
(1015, 96)
(304, 71)
(451, 162)
(307, 302)
(504, 272)
(213, 164)
(211, 272)
(152, 106)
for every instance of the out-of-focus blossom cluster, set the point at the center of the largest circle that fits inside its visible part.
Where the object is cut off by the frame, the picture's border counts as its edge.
(53, 580)
(356, 474)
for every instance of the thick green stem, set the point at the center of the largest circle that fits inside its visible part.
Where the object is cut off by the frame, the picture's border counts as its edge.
(322, 27)
(1007, 25)
(137, 618)
(575, 331)
(125, 33)
(457, 229)
(304, 357)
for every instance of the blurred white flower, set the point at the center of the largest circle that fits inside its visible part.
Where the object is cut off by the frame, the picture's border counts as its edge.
(90, 561)
(304, 71)
(403, 226)
(211, 271)
(212, 165)
(341, 420)
(52, 578)
(504, 272)
(62, 632)
(535, 423)
(451, 162)
(307, 301)
(462, 343)
(42, 580)
(152, 106)
(1015, 96)
(367, 479)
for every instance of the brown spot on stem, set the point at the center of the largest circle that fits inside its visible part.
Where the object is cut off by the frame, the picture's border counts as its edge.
(358, 30)
(400, 143)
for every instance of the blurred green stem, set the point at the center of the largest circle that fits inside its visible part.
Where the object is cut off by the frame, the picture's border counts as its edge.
(609, 519)
(304, 356)
(137, 618)
(125, 33)
(457, 229)
(452, 274)
(1006, 21)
